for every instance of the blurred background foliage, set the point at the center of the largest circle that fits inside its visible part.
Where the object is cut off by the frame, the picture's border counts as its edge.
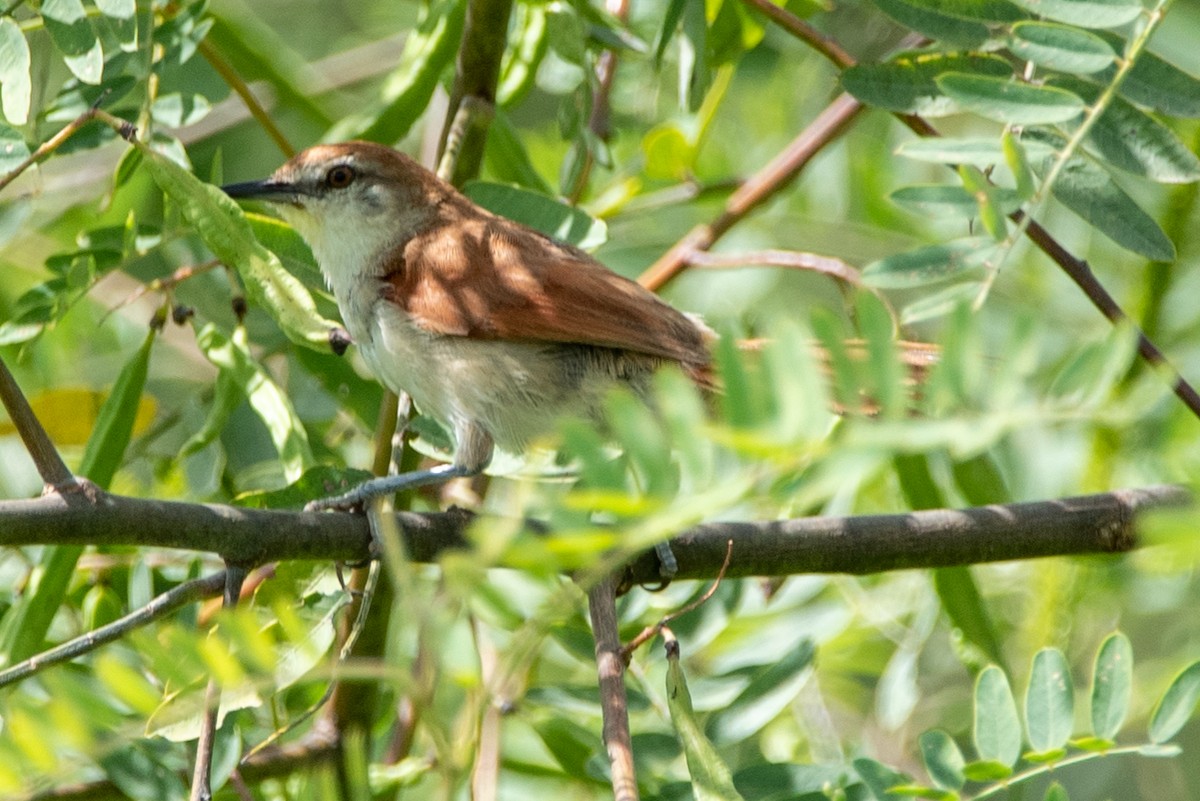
(1034, 396)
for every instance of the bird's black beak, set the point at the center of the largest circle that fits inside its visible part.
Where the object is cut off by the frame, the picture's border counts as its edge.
(267, 189)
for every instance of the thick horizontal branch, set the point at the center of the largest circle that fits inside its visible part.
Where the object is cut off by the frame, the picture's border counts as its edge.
(862, 544)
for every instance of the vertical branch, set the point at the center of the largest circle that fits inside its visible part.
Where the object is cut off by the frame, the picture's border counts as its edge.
(599, 119)
(235, 575)
(602, 604)
(477, 74)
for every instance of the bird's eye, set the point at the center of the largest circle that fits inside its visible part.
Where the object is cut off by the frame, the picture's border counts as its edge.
(339, 177)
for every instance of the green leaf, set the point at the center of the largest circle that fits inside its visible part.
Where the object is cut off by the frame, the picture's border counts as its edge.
(1176, 705)
(15, 84)
(114, 425)
(695, 73)
(941, 199)
(1086, 13)
(711, 779)
(120, 21)
(1017, 158)
(922, 791)
(770, 692)
(565, 223)
(988, 200)
(879, 778)
(986, 770)
(981, 10)
(1154, 82)
(997, 729)
(943, 760)
(74, 36)
(964, 605)
(220, 223)
(1055, 792)
(118, 9)
(13, 150)
(1091, 193)
(518, 70)
(1134, 141)
(669, 154)
(1049, 701)
(177, 109)
(929, 264)
(909, 84)
(1112, 685)
(962, 32)
(428, 52)
(980, 153)
(1060, 47)
(266, 399)
(1008, 101)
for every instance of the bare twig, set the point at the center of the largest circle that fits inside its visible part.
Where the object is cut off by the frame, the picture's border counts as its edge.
(760, 187)
(49, 464)
(235, 574)
(239, 86)
(804, 32)
(599, 118)
(789, 259)
(163, 605)
(602, 599)
(652, 631)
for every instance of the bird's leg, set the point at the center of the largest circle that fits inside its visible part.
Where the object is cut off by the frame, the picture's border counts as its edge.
(668, 566)
(473, 454)
(387, 485)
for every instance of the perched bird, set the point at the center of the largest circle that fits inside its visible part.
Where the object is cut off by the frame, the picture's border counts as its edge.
(492, 328)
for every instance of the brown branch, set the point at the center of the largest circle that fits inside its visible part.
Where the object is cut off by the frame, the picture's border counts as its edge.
(1102, 523)
(202, 773)
(49, 464)
(162, 605)
(788, 259)
(242, 89)
(804, 32)
(772, 178)
(602, 600)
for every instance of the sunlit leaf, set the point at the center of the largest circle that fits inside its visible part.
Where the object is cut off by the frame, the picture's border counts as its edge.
(565, 223)
(929, 264)
(1091, 193)
(1009, 101)
(15, 87)
(711, 780)
(1176, 705)
(1049, 701)
(909, 84)
(1112, 685)
(996, 729)
(943, 760)
(73, 35)
(1060, 47)
(935, 25)
(1086, 13)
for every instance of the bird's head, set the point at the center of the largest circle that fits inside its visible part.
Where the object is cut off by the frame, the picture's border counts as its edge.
(353, 200)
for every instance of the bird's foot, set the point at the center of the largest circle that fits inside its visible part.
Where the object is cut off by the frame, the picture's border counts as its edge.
(357, 498)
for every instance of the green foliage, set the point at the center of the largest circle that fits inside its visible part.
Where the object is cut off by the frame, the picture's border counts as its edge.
(778, 691)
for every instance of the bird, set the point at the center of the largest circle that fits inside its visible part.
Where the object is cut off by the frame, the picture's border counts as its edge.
(494, 329)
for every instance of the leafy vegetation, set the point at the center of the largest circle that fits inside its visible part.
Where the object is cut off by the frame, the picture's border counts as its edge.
(893, 339)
